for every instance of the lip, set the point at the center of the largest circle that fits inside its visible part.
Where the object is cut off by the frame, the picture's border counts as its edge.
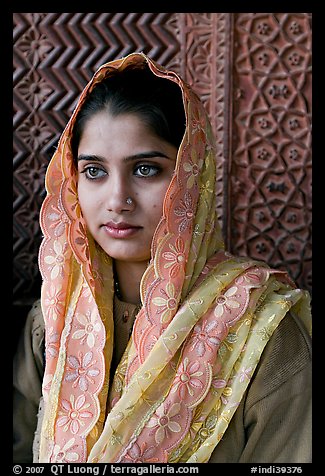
(120, 229)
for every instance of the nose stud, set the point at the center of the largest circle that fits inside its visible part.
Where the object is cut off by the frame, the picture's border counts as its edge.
(129, 201)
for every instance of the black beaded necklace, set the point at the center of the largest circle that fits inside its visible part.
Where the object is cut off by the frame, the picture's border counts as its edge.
(117, 288)
(117, 291)
(119, 295)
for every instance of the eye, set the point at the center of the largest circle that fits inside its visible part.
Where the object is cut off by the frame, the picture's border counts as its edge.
(146, 170)
(93, 173)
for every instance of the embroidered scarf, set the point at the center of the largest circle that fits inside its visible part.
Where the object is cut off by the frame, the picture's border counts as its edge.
(196, 342)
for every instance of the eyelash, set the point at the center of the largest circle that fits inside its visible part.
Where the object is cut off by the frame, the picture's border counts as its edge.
(87, 170)
(148, 166)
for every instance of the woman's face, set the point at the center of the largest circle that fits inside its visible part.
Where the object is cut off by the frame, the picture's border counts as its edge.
(119, 157)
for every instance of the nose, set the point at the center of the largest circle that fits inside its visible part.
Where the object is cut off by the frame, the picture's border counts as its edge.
(118, 196)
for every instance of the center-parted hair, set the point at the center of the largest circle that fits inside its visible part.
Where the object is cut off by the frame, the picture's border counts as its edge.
(158, 102)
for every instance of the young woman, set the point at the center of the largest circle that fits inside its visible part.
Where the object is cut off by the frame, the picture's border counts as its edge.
(160, 346)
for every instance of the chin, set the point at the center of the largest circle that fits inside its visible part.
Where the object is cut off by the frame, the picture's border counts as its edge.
(126, 254)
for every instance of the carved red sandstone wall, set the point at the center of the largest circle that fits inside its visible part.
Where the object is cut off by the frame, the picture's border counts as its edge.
(269, 201)
(253, 72)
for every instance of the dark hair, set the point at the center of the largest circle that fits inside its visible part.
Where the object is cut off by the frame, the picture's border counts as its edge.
(156, 100)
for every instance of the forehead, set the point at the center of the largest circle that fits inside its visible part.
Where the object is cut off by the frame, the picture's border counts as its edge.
(104, 126)
(120, 135)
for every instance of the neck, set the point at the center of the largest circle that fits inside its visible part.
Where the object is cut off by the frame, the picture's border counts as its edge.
(128, 276)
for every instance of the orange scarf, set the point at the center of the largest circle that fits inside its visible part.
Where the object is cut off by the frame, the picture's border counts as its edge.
(205, 320)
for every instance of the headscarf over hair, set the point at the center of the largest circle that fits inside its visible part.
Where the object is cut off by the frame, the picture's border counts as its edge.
(196, 342)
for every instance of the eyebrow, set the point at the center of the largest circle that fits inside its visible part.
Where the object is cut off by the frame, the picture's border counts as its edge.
(142, 155)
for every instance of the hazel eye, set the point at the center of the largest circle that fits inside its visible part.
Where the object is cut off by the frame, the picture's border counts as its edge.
(146, 170)
(93, 173)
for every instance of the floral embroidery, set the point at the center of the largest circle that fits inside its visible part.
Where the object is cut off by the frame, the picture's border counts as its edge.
(245, 373)
(265, 333)
(250, 277)
(46, 385)
(86, 292)
(59, 220)
(81, 241)
(207, 429)
(197, 422)
(141, 454)
(53, 343)
(227, 392)
(97, 275)
(198, 126)
(162, 423)
(193, 169)
(176, 257)
(218, 383)
(203, 338)
(186, 378)
(170, 424)
(200, 430)
(185, 212)
(54, 302)
(81, 371)
(66, 453)
(74, 413)
(168, 303)
(72, 201)
(225, 303)
(57, 262)
(90, 327)
(206, 189)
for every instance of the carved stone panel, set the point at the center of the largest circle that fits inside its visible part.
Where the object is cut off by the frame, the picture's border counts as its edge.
(270, 169)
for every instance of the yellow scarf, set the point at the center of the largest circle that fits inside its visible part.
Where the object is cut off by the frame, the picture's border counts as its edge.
(196, 342)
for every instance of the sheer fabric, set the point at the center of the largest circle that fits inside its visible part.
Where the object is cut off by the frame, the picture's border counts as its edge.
(205, 320)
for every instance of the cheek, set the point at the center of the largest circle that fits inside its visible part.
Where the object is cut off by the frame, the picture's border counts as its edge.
(156, 209)
(81, 199)
(86, 202)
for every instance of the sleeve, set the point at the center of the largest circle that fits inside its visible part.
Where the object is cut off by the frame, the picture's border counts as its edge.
(273, 423)
(28, 368)
(279, 425)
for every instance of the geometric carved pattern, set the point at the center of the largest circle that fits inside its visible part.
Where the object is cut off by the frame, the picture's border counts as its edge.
(270, 206)
(55, 55)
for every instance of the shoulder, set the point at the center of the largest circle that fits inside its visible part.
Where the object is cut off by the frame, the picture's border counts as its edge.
(29, 358)
(33, 335)
(35, 321)
(286, 355)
